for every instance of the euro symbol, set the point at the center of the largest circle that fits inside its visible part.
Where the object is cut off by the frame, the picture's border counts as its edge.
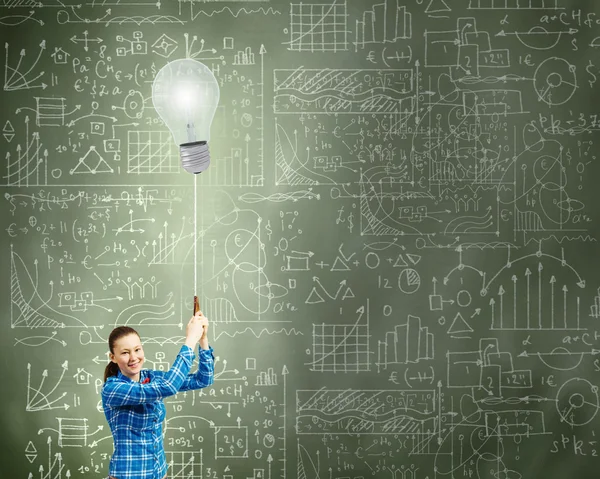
(10, 230)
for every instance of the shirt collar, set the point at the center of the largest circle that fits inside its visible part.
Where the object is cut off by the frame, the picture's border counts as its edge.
(122, 377)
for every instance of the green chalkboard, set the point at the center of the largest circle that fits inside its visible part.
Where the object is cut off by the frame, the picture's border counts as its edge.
(395, 242)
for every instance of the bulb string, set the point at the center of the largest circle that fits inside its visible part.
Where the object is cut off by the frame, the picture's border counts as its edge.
(195, 235)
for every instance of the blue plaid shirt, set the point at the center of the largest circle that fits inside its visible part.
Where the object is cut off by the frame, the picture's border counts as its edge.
(135, 411)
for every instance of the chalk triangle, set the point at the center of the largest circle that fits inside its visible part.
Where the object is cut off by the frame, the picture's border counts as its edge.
(459, 325)
(339, 265)
(348, 294)
(314, 297)
(436, 6)
(8, 128)
(103, 167)
(400, 262)
(84, 163)
(413, 258)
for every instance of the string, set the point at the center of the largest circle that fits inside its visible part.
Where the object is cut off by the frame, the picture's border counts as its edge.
(195, 234)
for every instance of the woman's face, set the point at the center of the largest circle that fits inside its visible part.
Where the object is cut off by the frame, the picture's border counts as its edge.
(129, 356)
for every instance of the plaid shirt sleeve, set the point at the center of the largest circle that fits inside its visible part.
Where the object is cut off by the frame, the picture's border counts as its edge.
(205, 375)
(121, 393)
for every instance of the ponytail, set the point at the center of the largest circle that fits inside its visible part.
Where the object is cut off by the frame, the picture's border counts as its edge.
(112, 369)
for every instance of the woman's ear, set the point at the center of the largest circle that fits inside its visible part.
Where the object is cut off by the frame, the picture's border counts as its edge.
(111, 356)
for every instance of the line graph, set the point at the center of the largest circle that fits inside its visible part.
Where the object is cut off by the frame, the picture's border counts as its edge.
(342, 347)
(151, 152)
(318, 27)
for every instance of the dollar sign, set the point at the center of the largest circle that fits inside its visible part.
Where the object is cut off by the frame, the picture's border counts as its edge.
(588, 69)
(12, 202)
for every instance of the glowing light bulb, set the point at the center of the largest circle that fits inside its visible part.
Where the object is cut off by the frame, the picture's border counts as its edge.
(185, 94)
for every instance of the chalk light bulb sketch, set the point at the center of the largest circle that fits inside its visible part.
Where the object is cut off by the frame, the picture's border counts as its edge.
(185, 94)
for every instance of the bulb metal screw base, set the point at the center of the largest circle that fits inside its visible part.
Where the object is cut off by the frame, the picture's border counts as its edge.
(195, 157)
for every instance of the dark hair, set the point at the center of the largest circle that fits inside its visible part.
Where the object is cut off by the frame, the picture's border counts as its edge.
(112, 369)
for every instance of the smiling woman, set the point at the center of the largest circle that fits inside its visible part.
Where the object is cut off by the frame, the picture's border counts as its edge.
(128, 355)
(132, 397)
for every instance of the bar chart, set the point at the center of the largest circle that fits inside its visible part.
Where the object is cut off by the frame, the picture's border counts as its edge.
(384, 23)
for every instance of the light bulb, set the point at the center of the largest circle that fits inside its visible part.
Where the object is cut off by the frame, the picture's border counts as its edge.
(185, 94)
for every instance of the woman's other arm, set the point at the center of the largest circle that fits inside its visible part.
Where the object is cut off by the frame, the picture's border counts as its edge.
(205, 376)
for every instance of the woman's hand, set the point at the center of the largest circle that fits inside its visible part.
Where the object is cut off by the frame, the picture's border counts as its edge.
(204, 337)
(195, 329)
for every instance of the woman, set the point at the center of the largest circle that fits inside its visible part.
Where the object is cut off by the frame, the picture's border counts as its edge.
(132, 397)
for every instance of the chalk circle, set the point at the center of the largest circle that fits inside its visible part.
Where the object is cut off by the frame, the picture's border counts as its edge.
(554, 81)
(133, 106)
(463, 298)
(269, 441)
(577, 401)
(409, 281)
(542, 167)
(246, 120)
(85, 337)
(62, 17)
